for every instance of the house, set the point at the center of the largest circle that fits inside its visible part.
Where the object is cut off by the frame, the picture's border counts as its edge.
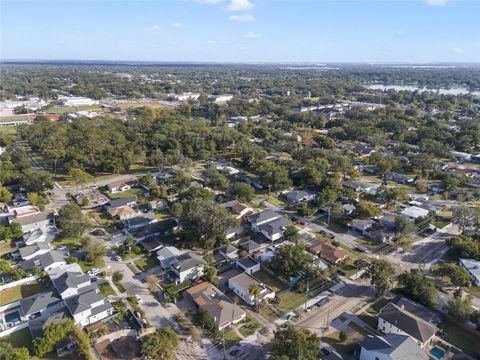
(25, 210)
(234, 231)
(33, 222)
(473, 269)
(399, 178)
(38, 324)
(328, 252)
(121, 202)
(20, 200)
(361, 225)
(396, 319)
(348, 209)
(248, 264)
(66, 346)
(414, 212)
(220, 99)
(274, 229)
(358, 186)
(237, 209)
(46, 262)
(416, 309)
(88, 307)
(140, 220)
(154, 229)
(262, 217)
(364, 150)
(45, 235)
(389, 221)
(207, 297)
(241, 285)
(379, 233)
(71, 283)
(187, 266)
(121, 186)
(32, 251)
(250, 246)
(436, 188)
(40, 304)
(122, 213)
(228, 251)
(390, 347)
(157, 204)
(299, 196)
(167, 256)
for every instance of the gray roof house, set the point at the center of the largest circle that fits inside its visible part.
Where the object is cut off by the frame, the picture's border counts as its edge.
(121, 202)
(30, 251)
(187, 266)
(273, 230)
(88, 307)
(391, 347)
(69, 283)
(299, 196)
(32, 222)
(396, 319)
(46, 261)
(262, 217)
(40, 304)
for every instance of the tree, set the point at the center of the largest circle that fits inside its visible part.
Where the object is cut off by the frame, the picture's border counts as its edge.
(463, 216)
(8, 352)
(78, 177)
(406, 242)
(210, 274)
(422, 186)
(117, 276)
(418, 287)
(457, 275)
(463, 247)
(289, 260)
(460, 307)
(71, 221)
(403, 226)
(214, 179)
(241, 191)
(382, 275)
(161, 345)
(12, 231)
(205, 224)
(36, 180)
(152, 281)
(5, 195)
(204, 319)
(254, 291)
(4, 266)
(295, 344)
(94, 249)
(83, 344)
(52, 334)
(291, 232)
(367, 210)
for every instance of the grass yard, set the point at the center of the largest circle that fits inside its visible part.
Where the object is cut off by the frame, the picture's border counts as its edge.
(133, 269)
(275, 201)
(6, 246)
(230, 339)
(377, 305)
(346, 347)
(71, 109)
(173, 289)
(290, 301)
(461, 338)
(106, 289)
(120, 287)
(473, 290)
(146, 263)
(18, 339)
(87, 265)
(135, 192)
(270, 280)
(249, 327)
(369, 319)
(268, 314)
(20, 292)
(8, 130)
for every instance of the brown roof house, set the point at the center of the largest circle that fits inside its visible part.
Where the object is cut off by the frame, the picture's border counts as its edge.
(209, 298)
(123, 213)
(328, 252)
(121, 186)
(398, 320)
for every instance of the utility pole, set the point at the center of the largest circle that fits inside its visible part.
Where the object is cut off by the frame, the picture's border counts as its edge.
(306, 294)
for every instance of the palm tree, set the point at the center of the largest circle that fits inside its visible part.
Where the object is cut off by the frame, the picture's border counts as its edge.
(255, 291)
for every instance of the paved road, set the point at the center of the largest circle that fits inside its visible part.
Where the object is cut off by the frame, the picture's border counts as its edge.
(347, 298)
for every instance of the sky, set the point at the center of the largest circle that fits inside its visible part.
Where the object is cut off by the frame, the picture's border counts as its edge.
(317, 31)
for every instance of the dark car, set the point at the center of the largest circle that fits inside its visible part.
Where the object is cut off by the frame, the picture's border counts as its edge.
(359, 249)
(325, 351)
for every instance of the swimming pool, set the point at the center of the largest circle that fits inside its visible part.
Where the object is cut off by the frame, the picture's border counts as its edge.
(437, 352)
(12, 317)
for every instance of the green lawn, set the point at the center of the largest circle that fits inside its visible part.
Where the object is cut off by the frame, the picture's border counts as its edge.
(119, 286)
(106, 289)
(18, 339)
(6, 246)
(146, 263)
(173, 289)
(230, 339)
(290, 301)
(249, 327)
(275, 201)
(9, 130)
(268, 314)
(71, 109)
(70, 242)
(473, 290)
(133, 269)
(270, 280)
(462, 338)
(135, 192)
(22, 291)
(369, 319)
(345, 347)
(87, 265)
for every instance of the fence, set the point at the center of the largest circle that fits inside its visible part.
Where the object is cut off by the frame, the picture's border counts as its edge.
(18, 282)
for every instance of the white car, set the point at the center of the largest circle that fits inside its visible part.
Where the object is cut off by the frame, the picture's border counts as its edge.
(139, 299)
(118, 258)
(93, 272)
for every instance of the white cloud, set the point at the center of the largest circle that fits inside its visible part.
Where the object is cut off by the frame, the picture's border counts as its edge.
(458, 50)
(208, 1)
(225, 42)
(242, 18)
(251, 35)
(239, 5)
(211, 42)
(400, 32)
(154, 28)
(177, 24)
(436, 2)
(60, 42)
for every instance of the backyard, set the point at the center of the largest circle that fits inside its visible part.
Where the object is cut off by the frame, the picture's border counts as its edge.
(146, 262)
(135, 192)
(461, 338)
(22, 291)
(18, 339)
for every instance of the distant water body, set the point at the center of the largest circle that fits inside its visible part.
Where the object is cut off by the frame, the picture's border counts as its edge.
(451, 91)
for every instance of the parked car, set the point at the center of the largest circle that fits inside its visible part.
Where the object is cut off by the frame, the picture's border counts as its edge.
(118, 258)
(325, 351)
(93, 272)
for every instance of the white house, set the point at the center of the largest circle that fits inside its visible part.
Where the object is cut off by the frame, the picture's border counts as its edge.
(248, 264)
(397, 320)
(45, 235)
(88, 307)
(187, 266)
(32, 251)
(473, 269)
(361, 224)
(71, 283)
(219, 99)
(414, 212)
(33, 222)
(168, 255)
(76, 101)
(390, 347)
(242, 283)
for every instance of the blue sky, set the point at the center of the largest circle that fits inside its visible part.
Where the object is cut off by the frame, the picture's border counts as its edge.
(242, 30)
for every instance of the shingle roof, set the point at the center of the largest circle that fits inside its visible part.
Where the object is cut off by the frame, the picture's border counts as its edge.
(36, 303)
(116, 203)
(82, 302)
(275, 226)
(398, 347)
(32, 249)
(70, 280)
(263, 216)
(38, 324)
(188, 261)
(247, 262)
(407, 322)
